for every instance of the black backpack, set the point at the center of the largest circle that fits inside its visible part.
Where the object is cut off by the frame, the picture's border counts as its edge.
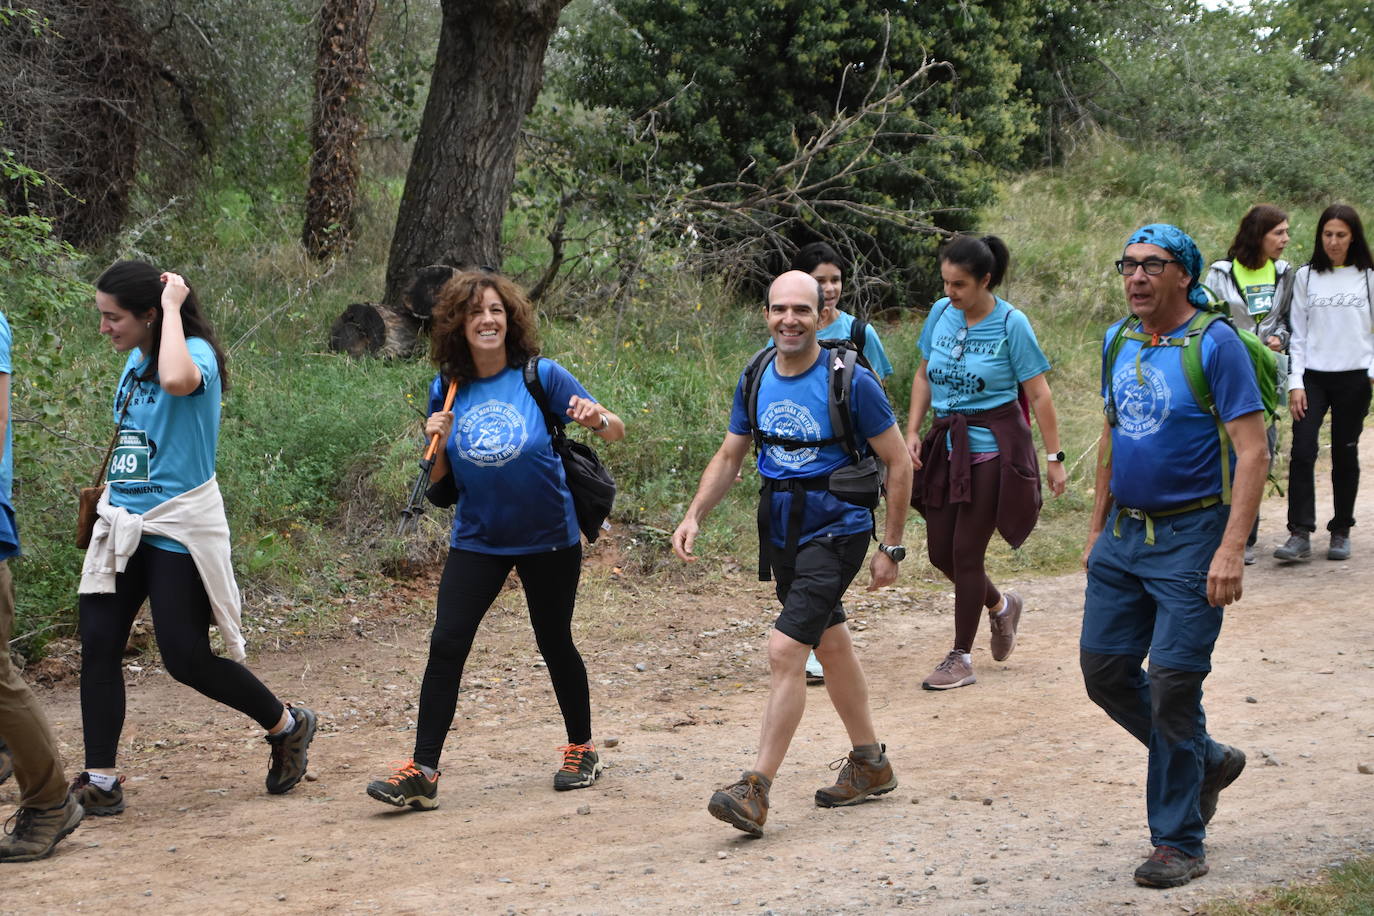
(591, 485)
(860, 483)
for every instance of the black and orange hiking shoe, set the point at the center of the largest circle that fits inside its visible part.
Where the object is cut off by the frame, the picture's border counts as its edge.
(96, 801)
(289, 751)
(581, 766)
(1170, 867)
(407, 786)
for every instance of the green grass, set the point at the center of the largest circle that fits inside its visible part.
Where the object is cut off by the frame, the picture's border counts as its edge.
(1347, 890)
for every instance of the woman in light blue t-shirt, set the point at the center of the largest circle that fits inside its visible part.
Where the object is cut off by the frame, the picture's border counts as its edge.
(513, 511)
(168, 406)
(976, 468)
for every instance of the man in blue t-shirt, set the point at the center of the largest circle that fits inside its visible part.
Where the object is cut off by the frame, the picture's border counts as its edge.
(1165, 551)
(814, 554)
(46, 813)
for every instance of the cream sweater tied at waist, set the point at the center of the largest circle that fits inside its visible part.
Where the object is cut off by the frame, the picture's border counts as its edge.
(194, 519)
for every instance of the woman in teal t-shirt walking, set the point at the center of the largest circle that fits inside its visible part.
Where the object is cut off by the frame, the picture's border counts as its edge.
(976, 467)
(161, 483)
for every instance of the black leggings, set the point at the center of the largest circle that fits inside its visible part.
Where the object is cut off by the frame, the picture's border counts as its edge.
(957, 536)
(181, 622)
(1346, 395)
(470, 584)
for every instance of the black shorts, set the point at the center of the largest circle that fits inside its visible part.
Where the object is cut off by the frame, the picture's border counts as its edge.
(811, 588)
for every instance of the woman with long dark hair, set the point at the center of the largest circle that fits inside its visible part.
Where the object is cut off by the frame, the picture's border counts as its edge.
(162, 535)
(514, 510)
(1257, 284)
(1332, 364)
(977, 470)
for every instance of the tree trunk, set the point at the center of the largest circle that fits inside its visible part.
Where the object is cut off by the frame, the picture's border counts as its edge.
(487, 74)
(340, 69)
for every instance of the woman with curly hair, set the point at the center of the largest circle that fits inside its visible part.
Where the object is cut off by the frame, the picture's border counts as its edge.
(514, 510)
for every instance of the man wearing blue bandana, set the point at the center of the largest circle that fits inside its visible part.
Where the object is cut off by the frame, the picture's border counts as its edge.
(1165, 553)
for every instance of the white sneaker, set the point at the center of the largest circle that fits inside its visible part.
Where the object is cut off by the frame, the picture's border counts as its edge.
(814, 673)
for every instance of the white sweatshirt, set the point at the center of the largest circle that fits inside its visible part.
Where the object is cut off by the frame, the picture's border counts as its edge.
(1331, 319)
(194, 519)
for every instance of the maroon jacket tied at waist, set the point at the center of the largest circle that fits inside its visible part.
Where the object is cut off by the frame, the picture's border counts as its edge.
(944, 474)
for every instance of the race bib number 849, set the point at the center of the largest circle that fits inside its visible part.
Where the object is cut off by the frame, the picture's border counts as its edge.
(130, 459)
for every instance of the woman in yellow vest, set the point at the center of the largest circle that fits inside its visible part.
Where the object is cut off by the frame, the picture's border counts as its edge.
(1257, 283)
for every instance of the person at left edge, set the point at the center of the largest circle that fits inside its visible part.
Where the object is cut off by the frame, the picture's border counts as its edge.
(514, 510)
(46, 812)
(829, 547)
(162, 535)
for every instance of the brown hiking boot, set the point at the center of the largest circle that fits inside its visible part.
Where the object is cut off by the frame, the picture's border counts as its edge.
(1170, 867)
(33, 833)
(1004, 626)
(744, 804)
(858, 780)
(950, 673)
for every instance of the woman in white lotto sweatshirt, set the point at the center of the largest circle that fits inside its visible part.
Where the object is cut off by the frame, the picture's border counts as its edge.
(1332, 367)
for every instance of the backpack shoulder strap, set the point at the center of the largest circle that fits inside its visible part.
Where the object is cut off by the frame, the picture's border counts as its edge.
(858, 334)
(1109, 363)
(753, 379)
(536, 389)
(842, 360)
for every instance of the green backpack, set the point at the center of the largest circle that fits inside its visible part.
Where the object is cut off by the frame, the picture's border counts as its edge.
(1264, 360)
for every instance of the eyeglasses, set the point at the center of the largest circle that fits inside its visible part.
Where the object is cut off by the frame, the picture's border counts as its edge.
(1153, 266)
(960, 336)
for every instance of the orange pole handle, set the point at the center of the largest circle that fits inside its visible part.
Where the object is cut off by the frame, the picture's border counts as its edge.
(448, 405)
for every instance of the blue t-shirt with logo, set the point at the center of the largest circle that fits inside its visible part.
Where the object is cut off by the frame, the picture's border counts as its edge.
(797, 407)
(166, 444)
(9, 531)
(997, 354)
(513, 497)
(840, 329)
(1165, 448)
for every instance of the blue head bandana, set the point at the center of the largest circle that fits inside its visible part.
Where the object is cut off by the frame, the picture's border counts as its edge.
(1179, 244)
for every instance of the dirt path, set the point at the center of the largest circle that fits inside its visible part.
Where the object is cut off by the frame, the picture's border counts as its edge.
(1017, 795)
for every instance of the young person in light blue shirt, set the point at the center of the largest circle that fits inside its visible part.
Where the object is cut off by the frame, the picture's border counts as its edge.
(167, 407)
(977, 470)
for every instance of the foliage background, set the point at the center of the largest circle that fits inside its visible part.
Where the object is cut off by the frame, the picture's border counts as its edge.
(1089, 120)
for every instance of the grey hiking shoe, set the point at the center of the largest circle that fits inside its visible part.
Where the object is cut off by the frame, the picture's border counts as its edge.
(1249, 554)
(950, 673)
(744, 804)
(1216, 778)
(1340, 547)
(33, 833)
(1003, 626)
(1297, 547)
(858, 780)
(96, 801)
(1170, 867)
(289, 758)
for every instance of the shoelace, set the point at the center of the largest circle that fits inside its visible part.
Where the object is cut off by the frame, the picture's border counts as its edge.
(572, 756)
(950, 661)
(404, 770)
(22, 819)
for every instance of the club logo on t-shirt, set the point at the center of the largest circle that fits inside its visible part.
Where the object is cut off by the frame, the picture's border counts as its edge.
(790, 420)
(1141, 409)
(491, 434)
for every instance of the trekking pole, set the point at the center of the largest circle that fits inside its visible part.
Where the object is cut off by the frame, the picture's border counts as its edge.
(410, 515)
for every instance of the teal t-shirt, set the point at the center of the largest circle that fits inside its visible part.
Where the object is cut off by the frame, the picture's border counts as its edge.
(840, 328)
(166, 444)
(978, 368)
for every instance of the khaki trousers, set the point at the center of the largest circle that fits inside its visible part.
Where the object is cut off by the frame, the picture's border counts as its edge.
(37, 764)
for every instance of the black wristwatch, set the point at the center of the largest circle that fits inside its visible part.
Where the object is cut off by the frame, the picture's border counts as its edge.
(895, 553)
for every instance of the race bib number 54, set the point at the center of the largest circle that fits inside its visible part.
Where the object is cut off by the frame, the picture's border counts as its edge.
(130, 459)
